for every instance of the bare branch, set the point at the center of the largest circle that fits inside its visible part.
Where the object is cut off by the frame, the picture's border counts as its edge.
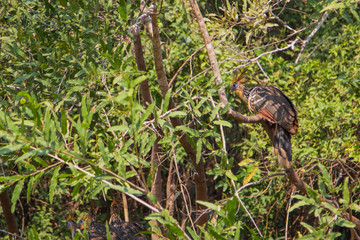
(200, 179)
(259, 181)
(104, 181)
(183, 65)
(210, 50)
(251, 60)
(143, 18)
(323, 19)
(244, 119)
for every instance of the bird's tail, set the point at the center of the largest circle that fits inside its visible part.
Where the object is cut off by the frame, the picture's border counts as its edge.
(282, 147)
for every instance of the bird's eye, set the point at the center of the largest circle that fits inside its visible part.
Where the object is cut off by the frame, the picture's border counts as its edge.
(235, 85)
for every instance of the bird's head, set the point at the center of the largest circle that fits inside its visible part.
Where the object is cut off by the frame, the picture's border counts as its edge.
(71, 224)
(238, 86)
(114, 206)
(84, 222)
(238, 82)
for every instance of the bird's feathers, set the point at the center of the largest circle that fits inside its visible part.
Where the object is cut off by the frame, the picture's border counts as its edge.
(274, 106)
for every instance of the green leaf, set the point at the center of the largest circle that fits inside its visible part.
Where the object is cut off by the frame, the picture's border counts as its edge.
(330, 207)
(126, 190)
(107, 231)
(16, 194)
(121, 128)
(147, 113)
(102, 150)
(139, 80)
(26, 156)
(177, 114)
(193, 234)
(123, 10)
(47, 124)
(346, 194)
(313, 194)
(214, 112)
(53, 184)
(166, 101)
(355, 207)
(216, 235)
(354, 12)
(334, 5)
(198, 150)
(213, 206)
(325, 175)
(345, 223)
(63, 122)
(84, 110)
(95, 191)
(308, 227)
(230, 175)
(303, 202)
(152, 197)
(11, 148)
(191, 131)
(224, 123)
(30, 188)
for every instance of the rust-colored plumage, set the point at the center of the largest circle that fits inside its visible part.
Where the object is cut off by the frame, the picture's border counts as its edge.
(274, 106)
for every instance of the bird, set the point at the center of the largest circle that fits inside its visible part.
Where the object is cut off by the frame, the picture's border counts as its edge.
(94, 229)
(72, 226)
(125, 230)
(115, 218)
(277, 109)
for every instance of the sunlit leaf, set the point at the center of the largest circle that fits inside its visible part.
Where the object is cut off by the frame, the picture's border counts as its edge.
(16, 194)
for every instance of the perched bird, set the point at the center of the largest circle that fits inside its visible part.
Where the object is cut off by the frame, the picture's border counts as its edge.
(274, 106)
(96, 230)
(125, 230)
(115, 218)
(72, 226)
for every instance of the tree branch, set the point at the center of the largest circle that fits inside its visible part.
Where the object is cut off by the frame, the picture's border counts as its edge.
(200, 180)
(9, 216)
(323, 19)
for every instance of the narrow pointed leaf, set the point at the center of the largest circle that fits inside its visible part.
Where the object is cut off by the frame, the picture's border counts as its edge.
(16, 194)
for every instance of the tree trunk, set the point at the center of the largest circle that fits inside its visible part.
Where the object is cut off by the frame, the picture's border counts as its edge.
(9, 216)
(200, 180)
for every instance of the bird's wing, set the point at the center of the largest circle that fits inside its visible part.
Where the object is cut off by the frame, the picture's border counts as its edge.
(271, 103)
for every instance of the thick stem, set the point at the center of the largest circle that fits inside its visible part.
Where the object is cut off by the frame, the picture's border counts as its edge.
(9, 216)
(155, 167)
(140, 62)
(200, 180)
(210, 50)
(170, 189)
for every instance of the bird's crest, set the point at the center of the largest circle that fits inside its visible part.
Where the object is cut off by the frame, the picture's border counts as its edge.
(114, 202)
(70, 217)
(240, 79)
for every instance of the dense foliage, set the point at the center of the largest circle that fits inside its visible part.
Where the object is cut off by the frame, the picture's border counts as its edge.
(73, 127)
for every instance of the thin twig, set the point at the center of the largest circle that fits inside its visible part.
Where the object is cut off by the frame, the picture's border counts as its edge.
(259, 181)
(262, 70)
(323, 19)
(17, 236)
(142, 18)
(288, 212)
(106, 182)
(232, 181)
(251, 60)
(183, 65)
(182, 188)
